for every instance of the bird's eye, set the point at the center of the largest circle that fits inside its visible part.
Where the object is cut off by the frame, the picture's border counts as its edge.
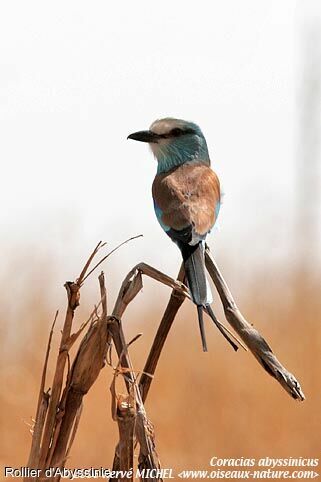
(176, 132)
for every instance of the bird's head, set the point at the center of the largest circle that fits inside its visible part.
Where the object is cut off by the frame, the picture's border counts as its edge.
(174, 142)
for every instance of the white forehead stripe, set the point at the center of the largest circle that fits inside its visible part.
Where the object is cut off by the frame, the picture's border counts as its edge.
(163, 126)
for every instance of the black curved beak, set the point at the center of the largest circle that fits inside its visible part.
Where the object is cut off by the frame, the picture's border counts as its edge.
(144, 136)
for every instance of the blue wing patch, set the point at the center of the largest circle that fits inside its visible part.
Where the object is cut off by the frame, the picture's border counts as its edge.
(217, 209)
(159, 214)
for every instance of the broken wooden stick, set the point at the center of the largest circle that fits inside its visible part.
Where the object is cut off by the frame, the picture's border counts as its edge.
(251, 337)
(58, 413)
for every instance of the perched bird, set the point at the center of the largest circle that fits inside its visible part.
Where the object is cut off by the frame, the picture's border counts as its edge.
(186, 194)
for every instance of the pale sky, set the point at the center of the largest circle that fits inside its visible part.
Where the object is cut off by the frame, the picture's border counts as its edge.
(77, 77)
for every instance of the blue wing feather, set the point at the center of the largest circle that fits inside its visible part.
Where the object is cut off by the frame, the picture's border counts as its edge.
(159, 214)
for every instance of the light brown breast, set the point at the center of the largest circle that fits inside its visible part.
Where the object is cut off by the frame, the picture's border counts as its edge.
(188, 195)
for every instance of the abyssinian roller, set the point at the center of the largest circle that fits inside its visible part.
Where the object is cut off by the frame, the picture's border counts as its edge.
(186, 194)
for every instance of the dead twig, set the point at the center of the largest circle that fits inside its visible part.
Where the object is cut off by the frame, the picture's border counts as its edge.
(148, 456)
(88, 362)
(107, 256)
(42, 407)
(73, 302)
(251, 337)
(83, 275)
(132, 284)
(58, 414)
(174, 304)
(123, 409)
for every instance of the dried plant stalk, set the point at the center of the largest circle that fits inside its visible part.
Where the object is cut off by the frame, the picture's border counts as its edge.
(73, 302)
(126, 417)
(251, 337)
(58, 413)
(84, 372)
(140, 421)
(175, 302)
(131, 286)
(124, 413)
(42, 408)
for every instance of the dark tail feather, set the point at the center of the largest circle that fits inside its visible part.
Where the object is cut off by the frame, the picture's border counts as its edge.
(210, 312)
(194, 264)
(201, 325)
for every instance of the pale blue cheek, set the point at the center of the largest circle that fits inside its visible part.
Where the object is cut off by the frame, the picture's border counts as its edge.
(159, 214)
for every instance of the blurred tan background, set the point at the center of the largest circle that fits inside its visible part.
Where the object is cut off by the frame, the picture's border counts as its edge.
(75, 80)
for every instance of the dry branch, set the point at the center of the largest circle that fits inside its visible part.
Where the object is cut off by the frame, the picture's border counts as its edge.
(251, 337)
(58, 413)
(130, 413)
(55, 414)
(174, 304)
(73, 302)
(131, 286)
(42, 407)
(84, 372)
(124, 413)
(107, 256)
(126, 417)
